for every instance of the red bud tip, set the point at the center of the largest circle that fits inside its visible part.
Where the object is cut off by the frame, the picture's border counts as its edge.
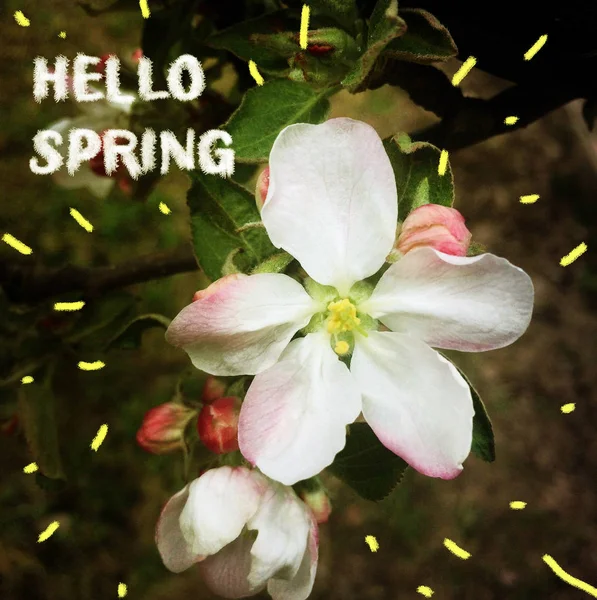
(163, 426)
(217, 425)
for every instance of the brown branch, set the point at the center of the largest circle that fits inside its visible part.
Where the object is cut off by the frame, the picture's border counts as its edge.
(26, 282)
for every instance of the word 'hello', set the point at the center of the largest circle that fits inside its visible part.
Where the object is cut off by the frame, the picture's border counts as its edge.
(118, 145)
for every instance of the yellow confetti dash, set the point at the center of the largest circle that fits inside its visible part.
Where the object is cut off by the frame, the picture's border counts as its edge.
(425, 591)
(164, 208)
(16, 244)
(100, 436)
(91, 366)
(255, 74)
(568, 408)
(144, 9)
(81, 220)
(456, 549)
(464, 70)
(443, 163)
(30, 468)
(122, 590)
(577, 583)
(62, 34)
(529, 199)
(573, 255)
(517, 505)
(48, 531)
(371, 541)
(27, 379)
(535, 47)
(70, 306)
(510, 120)
(304, 26)
(21, 19)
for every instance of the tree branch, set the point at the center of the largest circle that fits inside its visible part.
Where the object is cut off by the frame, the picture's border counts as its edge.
(26, 282)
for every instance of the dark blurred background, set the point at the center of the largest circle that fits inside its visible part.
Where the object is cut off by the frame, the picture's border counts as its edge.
(544, 458)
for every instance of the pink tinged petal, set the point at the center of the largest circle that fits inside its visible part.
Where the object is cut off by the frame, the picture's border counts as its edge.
(331, 200)
(415, 401)
(470, 304)
(282, 523)
(172, 546)
(439, 227)
(300, 586)
(227, 572)
(241, 324)
(219, 505)
(293, 419)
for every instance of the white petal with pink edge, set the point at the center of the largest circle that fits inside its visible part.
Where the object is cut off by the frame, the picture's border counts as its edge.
(241, 324)
(300, 586)
(172, 546)
(219, 505)
(293, 419)
(332, 200)
(470, 304)
(415, 401)
(283, 522)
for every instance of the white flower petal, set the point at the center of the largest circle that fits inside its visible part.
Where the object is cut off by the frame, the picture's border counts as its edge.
(172, 546)
(227, 572)
(301, 585)
(461, 303)
(332, 200)
(293, 420)
(283, 522)
(219, 505)
(241, 323)
(415, 401)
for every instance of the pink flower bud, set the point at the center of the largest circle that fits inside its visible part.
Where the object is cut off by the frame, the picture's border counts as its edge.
(136, 55)
(212, 390)
(218, 425)
(319, 503)
(436, 226)
(162, 430)
(101, 65)
(261, 188)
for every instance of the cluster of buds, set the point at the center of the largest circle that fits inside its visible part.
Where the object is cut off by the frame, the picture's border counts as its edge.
(163, 427)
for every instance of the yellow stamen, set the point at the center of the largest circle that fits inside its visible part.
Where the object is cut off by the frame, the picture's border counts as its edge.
(341, 347)
(343, 316)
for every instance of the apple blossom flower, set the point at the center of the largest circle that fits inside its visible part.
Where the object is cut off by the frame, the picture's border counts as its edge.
(245, 532)
(217, 425)
(163, 426)
(332, 204)
(97, 116)
(435, 226)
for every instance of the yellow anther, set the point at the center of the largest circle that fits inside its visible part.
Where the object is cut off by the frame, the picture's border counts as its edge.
(341, 347)
(343, 316)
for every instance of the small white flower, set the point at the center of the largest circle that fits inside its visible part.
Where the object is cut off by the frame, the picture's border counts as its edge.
(332, 204)
(246, 533)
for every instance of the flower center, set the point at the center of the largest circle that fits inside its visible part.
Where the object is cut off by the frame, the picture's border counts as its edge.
(343, 317)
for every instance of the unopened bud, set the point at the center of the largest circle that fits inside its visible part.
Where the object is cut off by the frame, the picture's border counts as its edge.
(163, 426)
(435, 226)
(136, 55)
(212, 390)
(319, 503)
(217, 425)
(261, 188)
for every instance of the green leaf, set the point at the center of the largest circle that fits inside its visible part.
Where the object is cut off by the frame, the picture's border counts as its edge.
(219, 207)
(129, 337)
(385, 25)
(366, 465)
(245, 41)
(37, 414)
(415, 167)
(426, 40)
(342, 11)
(266, 110)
